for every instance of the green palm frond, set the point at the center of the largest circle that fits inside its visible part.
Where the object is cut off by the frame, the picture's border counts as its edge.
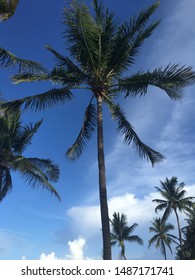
(135, 238)
(41, 101)
(23, 139)
(119, 222)
(153, 239)
(69, 72)
(8, 60)
(50, 169)
(129, 38)
(57, 76)
(29, 77)
(88, 127)
(130, 135)
(7, 8)
(5, 181)
(107, 26)
(172, 80)
(81, 35)
(37, 172)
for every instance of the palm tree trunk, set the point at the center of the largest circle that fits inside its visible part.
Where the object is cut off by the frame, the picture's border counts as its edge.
(180, 237)
(102, 184)
(1, 175)
(164, 250)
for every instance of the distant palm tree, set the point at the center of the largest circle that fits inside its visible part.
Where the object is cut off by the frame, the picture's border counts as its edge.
(121, 233)
(101, 51)
(14, 139)
(189, 237)
(7, 8)
(174, 200)
(162, 238)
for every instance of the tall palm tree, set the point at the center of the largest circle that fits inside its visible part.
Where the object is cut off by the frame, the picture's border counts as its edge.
(14, 139)
(162, 238)
(7, 8)
(101, 50)
(121, 232)
(174, 200)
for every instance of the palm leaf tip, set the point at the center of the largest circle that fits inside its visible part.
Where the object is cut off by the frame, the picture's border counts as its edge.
(130, 136)
(85, 134)
(8, 60)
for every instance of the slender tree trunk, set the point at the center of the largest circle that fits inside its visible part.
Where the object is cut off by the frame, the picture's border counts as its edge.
(180, 237)
(1, 181)
(102, 184)
(164, 250)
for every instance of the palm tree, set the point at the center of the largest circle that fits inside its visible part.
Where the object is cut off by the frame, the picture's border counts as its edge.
(189, 237)
(101, 51)
(14, 139)
(121, 232)
(162, 238)
(174, 200)
(7, 8)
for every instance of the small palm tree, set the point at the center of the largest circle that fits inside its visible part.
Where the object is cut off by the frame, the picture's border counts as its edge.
(7, 8)
(189, 237)
(121, 233)
(162, 238)
(174, 200)
(101, 50)
(14, 139)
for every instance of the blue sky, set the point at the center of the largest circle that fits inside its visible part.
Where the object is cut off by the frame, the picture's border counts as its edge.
(34, 224)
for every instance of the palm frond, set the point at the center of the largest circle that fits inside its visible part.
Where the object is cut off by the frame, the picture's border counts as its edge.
(5, 181)
(173, 79)
(130, 135)
(41, 101)
(129, 38)
(8, 60)
(70, 71)
(88, 127)
(7, 8)
(23, 139)
(107, 27)
(59, 75)
(50, 169)
(37, 172)
(152, 240)
(81, 35)
(135, 238)
(29, 77)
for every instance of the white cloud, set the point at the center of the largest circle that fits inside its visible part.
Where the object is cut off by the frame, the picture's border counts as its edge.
(141, 210)
(76, 248)
(50, 257)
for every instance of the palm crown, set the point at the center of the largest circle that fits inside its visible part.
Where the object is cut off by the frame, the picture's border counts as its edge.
(174, 200)
(174, 197)
(14, 139)
(162, 237)
(121, 232)
(101, 50)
